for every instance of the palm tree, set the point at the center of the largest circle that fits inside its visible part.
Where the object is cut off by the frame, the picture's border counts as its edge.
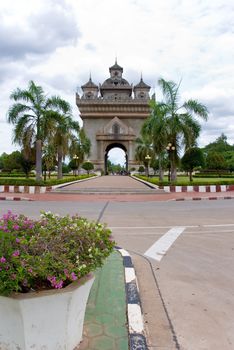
(154, 127)
(62, 134)
(80, 147)
(181, 126)
(144, 150)
(31, 115)
(48, 159)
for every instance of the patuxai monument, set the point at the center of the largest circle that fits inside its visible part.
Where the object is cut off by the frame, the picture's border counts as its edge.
(112, 115)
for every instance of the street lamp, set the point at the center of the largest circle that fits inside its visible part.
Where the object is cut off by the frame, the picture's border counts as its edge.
(170, 148)
(76, 160)
(147, 158)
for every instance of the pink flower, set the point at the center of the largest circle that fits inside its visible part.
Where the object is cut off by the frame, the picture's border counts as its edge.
(17, 240)
(16, 253)
(66, 273)
(16, 227)
(54, 283)
(25, 282)
(59, 285)
(2, 259)
(73, 276)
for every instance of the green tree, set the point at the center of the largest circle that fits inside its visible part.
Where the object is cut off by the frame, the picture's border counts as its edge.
(181, 127)
(31, 114)
(229, 157)
(88, 166)
(12, 161)
(219, 145)
(216, 161)
(192, 158)
(2, 156)
(141, 169)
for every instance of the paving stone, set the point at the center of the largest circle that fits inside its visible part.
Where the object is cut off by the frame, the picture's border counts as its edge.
(105, 318)
(94, 329)
(103, 343)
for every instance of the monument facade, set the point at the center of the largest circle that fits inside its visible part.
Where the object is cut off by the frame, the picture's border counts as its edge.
(113, 114)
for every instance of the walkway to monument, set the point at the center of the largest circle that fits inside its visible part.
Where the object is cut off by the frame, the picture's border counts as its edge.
(116, 184)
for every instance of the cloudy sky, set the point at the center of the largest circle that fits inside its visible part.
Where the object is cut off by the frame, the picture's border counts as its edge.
(57, 43)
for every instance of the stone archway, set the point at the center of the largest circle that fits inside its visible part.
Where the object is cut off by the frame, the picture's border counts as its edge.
(110, 147)
(113, 113)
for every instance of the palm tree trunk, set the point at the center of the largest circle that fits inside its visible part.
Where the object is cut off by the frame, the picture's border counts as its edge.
(38, 161)
(60, 162)
(161, 172)
(173, 172)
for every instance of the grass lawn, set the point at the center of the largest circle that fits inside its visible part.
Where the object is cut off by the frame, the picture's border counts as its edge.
(184, 181)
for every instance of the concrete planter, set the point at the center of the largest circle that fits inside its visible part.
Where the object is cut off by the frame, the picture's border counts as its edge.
(48, 320)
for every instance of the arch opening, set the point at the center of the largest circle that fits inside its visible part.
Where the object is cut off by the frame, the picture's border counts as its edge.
(116, 159)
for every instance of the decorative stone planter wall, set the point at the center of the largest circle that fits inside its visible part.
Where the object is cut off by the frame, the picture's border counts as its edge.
(48, 320)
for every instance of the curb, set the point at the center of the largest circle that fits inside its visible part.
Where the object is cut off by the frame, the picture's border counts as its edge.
(147, 183)
(15, 199)
(137, 339)
(202, 198)
(198, 188)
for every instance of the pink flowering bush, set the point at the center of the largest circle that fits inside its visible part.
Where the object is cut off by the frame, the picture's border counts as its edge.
(51, 252)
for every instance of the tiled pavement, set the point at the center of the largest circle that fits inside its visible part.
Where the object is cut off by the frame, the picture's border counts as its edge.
(105, 325)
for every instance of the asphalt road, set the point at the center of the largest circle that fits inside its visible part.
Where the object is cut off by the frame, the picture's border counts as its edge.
(187, 295)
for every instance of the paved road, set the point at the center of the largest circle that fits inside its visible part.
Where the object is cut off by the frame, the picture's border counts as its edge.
(187, 295)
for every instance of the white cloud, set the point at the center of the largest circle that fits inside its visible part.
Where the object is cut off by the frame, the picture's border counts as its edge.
(58, 43)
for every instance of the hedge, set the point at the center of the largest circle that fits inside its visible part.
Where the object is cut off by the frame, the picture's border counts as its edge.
(33, 182)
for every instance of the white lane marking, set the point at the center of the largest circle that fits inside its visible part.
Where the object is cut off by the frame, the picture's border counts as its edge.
(161, 246)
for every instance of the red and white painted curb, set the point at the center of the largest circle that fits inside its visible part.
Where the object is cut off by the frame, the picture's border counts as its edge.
(137, 339)
(24, 189)
(201, 189)
(202, 198)
(15, 199)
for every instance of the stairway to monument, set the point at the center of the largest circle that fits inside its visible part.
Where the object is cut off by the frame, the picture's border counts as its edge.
(113, 184)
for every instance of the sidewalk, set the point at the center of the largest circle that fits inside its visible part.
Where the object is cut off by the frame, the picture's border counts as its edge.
(117, 197)
(105, 326)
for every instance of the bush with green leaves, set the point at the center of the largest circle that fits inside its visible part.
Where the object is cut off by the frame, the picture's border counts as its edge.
(141, 169)
(50, 252)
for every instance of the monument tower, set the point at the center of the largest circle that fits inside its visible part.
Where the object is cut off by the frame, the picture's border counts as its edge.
(113, 114)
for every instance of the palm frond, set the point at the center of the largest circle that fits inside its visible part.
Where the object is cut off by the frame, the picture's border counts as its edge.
(197, 108)
(16, 111)
(170, 92)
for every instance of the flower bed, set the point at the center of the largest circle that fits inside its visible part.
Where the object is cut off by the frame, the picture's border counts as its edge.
(49, 253)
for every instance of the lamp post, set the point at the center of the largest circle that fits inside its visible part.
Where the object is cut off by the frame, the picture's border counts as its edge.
(147, 158)
(170, 148)
(76, 160)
